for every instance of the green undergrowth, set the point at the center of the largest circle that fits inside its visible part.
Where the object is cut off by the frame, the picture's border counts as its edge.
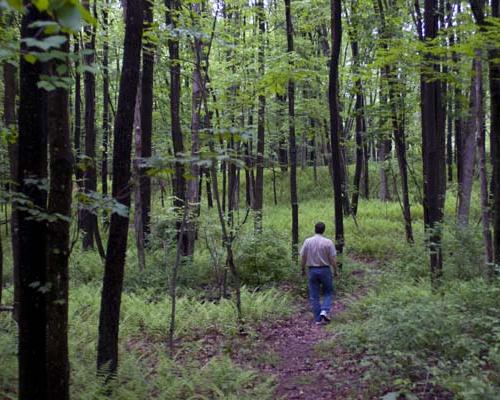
(409, 334)
(417, 339)
(406, 333)
(145, 370)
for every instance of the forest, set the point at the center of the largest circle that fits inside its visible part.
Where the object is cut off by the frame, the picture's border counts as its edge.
(162, 163)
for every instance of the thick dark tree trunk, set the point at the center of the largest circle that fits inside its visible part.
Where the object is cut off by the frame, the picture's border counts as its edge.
(147, 118)
(261, 120)
(292, 147)
(32, 233)
(59, 203)
(433, 145)
(109, 318)
(89, 219)
(173, 8)
(333, 93)
(494, 78)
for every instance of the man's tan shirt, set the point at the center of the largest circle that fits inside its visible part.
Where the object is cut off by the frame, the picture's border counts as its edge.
(318, 251)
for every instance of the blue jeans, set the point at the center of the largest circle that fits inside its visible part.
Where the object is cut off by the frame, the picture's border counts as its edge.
(320, 277)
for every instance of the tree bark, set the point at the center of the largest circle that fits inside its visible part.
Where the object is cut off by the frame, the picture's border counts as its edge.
(58, 237)
(333, 92)
(173, 8)
(468, 155)
(481, 151)
(292, 147)
(32, 233)
(89, 219)
(9, 119)
(77, 134)
(107, 348)
(398, 124)
(433, 145)
(147, 118)
(106, 100)
(138, 221)
(193, 182)
(261, 119)
(494, 78)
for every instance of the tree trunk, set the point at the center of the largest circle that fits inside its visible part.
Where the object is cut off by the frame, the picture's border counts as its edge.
(58, 237)
(9, 119)
(468, 156)
(89, 219)
(32, 233)
(282, 143)
(138, 221)
(148, 59)
(433, 145)
(106, 99)
(193, 182)
(107, 348)
(481, 151)
(494, 78)
(77, 134)
(261, 120)
(291, 140)
(174, 7)
(333, 93)
(398, 124)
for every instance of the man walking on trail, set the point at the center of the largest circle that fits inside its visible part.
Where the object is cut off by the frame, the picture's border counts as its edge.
(318, 254)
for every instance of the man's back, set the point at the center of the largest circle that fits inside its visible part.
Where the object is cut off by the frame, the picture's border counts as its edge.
(318, 251)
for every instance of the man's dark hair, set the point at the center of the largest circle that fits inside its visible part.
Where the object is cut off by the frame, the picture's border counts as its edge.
(319, 228)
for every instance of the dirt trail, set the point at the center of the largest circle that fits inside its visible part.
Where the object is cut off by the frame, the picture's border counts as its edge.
(292, 351)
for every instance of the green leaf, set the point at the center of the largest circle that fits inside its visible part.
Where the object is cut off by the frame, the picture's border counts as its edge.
(30, 58)
(45, 85)
(46, 43)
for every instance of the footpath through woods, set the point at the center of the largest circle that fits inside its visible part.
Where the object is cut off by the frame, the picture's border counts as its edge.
(304, 358)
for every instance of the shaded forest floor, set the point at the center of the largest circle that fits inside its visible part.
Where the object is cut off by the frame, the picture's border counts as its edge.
(292, 350)
(302, 357)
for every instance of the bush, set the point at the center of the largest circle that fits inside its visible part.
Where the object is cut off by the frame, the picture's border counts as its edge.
(263, 258)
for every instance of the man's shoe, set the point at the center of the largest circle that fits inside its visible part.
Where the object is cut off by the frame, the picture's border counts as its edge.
(324, 317)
